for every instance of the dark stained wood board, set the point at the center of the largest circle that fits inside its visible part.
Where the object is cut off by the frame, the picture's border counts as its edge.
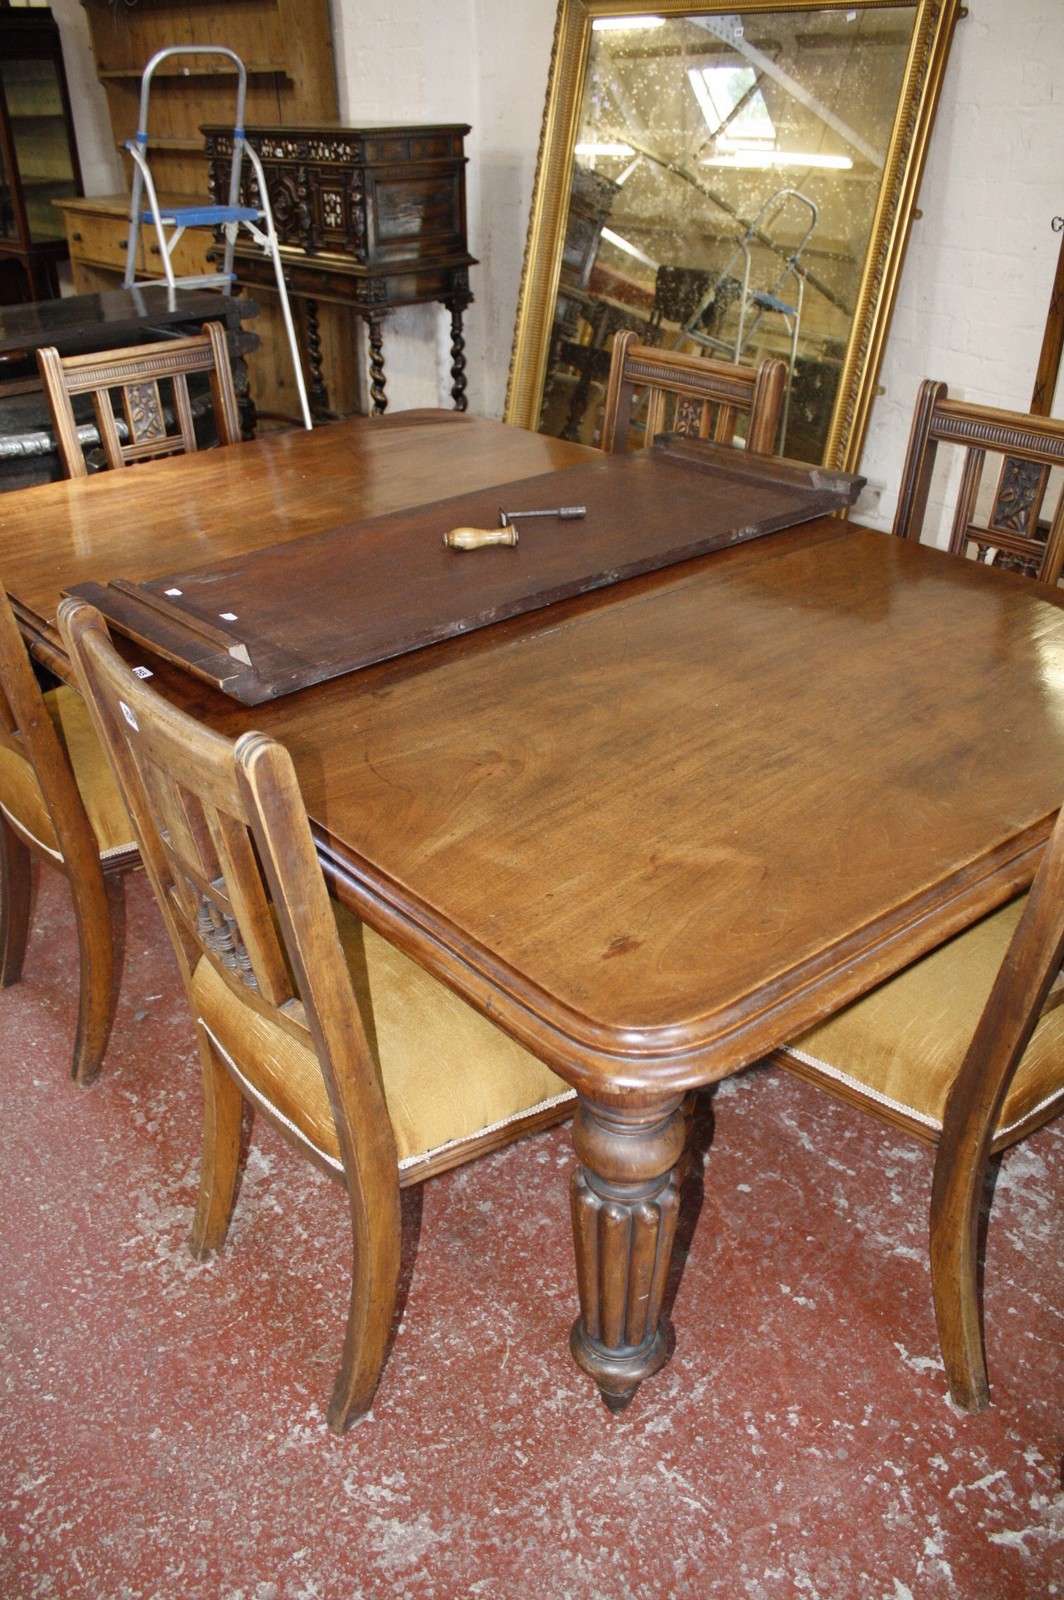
(265, 624)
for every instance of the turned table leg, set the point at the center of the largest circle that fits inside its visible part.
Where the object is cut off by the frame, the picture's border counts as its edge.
(319, 394)
(625, 1199)
(458, 362)
(376, 364)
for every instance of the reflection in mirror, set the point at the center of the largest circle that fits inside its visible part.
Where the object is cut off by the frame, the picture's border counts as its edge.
(727, 173)
(736, 184)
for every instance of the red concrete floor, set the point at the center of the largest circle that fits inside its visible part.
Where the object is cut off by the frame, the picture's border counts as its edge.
(161, 1422)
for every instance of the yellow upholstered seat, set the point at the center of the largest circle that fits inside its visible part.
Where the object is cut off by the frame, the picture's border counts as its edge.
(447, 1073)
(965, 1048)
(58, 802)
(903, 1044)
(22, 798)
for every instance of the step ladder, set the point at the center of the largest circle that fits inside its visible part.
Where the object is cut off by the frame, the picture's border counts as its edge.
(783, 298)
(230, 218)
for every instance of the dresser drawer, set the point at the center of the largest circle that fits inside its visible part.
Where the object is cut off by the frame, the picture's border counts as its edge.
(101, 240)
(190, 253)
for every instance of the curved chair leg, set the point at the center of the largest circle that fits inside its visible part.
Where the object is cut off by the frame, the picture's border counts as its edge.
(223, 1107)
(96, 950)
(15, 884)
(376, 1231)
(972, 1109)
(956, 1193)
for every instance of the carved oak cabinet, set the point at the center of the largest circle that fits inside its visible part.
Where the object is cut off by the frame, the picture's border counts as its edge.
(368, 219)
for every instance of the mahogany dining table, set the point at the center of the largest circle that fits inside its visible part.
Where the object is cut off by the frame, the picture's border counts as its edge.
(653, 831)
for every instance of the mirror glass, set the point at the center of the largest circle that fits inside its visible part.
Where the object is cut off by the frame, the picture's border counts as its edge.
(729, 184)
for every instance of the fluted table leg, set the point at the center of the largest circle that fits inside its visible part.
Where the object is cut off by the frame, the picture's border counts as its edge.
(625, 1200)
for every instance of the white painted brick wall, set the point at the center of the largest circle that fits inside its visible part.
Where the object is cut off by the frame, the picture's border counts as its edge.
(478, 61)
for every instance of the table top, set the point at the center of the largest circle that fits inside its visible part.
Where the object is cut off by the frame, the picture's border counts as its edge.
(655, 830)
(226, 503)
(666, 828)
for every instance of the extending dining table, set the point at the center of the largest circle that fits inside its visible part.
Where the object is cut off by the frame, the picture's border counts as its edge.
(652, 831)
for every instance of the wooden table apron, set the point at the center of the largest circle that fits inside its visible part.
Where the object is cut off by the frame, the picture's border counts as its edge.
(652, 832)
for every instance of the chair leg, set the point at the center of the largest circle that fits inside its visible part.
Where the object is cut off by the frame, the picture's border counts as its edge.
(376, 1231)
(15, 885)
(96, 951)
(223, 1108)
(957, 1191)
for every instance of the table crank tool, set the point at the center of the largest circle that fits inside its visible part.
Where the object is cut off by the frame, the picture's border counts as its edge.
(506, 532)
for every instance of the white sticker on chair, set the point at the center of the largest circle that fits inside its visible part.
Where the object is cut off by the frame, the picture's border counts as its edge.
(130, 718)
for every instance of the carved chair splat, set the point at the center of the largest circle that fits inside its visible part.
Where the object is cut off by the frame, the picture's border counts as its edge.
(132, 377)
(707, 395)
(1013, 535)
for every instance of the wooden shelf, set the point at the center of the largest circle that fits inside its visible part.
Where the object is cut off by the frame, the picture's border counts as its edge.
(255, 69)
(286, 46)
(165, 142)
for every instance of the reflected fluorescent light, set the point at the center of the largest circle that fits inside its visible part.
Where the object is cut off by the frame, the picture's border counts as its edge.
(629, 249)
(593, 149)
(760, 159)
(729, 97)
(601, 24)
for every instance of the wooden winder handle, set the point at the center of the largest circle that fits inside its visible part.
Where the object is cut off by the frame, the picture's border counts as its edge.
(477, 538)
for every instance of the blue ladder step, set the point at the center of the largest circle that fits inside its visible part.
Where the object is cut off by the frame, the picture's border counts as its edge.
(205, 216)
(769, 302)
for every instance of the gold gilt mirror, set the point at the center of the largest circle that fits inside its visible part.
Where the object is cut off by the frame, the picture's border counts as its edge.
(739, 183)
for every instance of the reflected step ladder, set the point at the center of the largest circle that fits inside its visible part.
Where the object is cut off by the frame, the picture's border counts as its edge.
(228, 219)
(782, 298)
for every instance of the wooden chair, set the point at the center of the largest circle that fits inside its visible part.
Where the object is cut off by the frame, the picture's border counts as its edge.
(58, 801)
(706, 395)
(1031, 446)
(366, 1064)
(964, 1049)
(132, 377)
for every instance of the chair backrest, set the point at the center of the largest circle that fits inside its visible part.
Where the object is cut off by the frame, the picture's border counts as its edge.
(225, 840)
(150, 423)
(1013, 534)
(706, 395)
(28, 734)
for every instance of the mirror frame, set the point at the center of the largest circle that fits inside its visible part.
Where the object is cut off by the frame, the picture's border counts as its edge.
(1047, 378)
(933, 26)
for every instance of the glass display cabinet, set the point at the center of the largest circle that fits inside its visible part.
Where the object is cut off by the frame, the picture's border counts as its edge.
(38, 155)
